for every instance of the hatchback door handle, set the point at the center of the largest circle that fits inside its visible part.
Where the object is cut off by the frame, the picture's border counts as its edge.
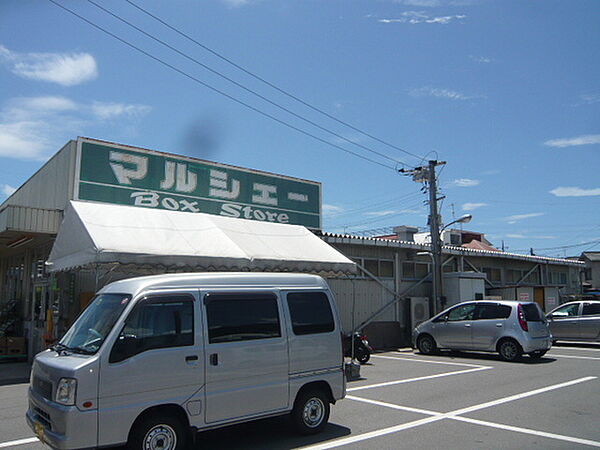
(498, 324)
(467, 325)
(191, 358)
(214, 359)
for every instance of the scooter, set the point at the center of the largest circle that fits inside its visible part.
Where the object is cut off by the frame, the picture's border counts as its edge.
(362, 349)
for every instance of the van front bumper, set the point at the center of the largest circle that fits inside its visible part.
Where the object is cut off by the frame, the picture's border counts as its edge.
(59, 426)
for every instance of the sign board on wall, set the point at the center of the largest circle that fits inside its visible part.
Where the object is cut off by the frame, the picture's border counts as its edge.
(524, 296)
(112, 173)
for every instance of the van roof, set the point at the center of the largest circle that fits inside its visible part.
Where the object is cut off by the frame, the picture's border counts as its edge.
(214, 279)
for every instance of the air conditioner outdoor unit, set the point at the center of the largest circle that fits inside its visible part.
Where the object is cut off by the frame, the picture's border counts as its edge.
(419, 310)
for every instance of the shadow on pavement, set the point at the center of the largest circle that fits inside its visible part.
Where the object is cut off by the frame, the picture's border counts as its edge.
(451, 354)
(274, 433)
(595, 346)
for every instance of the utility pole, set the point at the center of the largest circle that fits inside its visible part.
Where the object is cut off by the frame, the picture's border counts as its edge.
(427, 175)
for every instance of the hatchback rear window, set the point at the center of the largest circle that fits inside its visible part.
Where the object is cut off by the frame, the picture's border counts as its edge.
(532, 312)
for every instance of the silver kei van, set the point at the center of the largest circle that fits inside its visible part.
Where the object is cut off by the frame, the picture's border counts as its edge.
(153, 359)
(510, 328)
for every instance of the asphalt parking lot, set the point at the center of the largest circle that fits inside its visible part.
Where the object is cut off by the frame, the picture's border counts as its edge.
(407, 400)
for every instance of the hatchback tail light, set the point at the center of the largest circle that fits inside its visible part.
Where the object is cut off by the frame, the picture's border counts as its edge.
(521, 316)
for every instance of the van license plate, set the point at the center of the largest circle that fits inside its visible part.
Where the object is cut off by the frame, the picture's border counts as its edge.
(39, 431)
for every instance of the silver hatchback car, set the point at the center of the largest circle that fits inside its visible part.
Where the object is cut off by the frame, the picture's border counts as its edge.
(510, 328)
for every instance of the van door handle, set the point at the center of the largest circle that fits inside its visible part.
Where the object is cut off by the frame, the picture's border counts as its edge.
(498, 324)
(191, 358)
(214, 359)
(467, 325)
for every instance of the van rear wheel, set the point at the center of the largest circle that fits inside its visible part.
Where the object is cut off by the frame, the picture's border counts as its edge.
(157, 432)
(311, 411)
(510, 350)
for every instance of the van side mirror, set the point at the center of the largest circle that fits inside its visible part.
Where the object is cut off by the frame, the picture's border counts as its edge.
(125, 347)
(549, 317)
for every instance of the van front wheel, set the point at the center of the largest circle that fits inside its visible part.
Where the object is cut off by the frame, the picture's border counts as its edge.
(311, 412)
(158, 433)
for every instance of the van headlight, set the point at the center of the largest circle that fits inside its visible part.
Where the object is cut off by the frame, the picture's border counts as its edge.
(65, 391)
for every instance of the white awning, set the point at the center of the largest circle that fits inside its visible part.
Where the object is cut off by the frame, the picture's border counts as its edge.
(98, 234)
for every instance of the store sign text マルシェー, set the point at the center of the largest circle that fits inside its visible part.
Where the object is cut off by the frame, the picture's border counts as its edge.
(147, 179)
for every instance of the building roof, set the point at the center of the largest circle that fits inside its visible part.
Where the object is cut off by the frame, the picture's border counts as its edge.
(335, 238)
(591, 256)
(478, 245)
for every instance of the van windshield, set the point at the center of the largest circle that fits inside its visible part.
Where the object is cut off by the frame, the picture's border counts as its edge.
(91, 328)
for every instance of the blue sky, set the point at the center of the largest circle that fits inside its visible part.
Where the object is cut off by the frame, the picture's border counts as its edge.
(507, 92)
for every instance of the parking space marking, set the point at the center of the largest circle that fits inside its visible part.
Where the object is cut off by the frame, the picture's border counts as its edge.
(410, 380)
(500, 426)
(393, 406)
(430, 361)
(574, 357)
(448, 415)
(18, 442)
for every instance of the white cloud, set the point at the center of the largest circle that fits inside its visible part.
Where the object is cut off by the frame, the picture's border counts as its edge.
(7, 190)
(331, 209)
(449, 94)
(416, 17)
(109, 110)
(574, 192)
(517, 217)
(421, 3)
(465, 182)
(588, 99)
(66, 69)
(481, 59)
(586, 139)
(381, 213)
(410, 211)
(522, 236)
(238, 3)
(472, 206)
(32, 128)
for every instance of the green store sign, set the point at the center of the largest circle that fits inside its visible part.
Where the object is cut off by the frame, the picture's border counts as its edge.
(148, 179)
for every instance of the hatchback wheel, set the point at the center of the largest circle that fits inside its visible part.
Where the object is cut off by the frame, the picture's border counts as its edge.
(510, 350)
(426, 345)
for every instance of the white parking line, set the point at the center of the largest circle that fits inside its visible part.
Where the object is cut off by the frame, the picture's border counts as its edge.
(441, 416)
(18, 442)
(410, 380)
(559, 437)
(591, 358)
(415, 359)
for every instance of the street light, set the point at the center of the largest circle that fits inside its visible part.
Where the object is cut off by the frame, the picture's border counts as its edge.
(436, 256)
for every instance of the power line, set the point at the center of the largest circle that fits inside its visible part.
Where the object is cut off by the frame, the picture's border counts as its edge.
(268, 83)
(191, 77)
(241, 86)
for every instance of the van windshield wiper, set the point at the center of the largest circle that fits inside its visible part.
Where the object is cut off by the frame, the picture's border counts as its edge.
(60, 348)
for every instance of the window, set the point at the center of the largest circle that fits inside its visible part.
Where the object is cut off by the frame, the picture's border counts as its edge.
(310, 313)
(421, 270)
(513, 275)
(386, 269)
(156, 322)
(591, 309)
(371, 266)
(241, 317)
(408, 270)
(492, 311)
(464, 312)
(493, 274)
(532, 312)
(567, 310)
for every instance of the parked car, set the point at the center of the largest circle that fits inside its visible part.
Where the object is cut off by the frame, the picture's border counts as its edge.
(576, 321)
(510, 328)
(153, 358)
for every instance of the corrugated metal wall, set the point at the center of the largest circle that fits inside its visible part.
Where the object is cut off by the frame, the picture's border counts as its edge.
(51, 186)
(21, 218)
(368, 297)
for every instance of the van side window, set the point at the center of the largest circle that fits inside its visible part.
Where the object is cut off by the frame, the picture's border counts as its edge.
(310, 313)
(157, 322)
(241, 317)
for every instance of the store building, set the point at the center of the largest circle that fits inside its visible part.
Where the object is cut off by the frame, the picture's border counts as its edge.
(99, 211)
